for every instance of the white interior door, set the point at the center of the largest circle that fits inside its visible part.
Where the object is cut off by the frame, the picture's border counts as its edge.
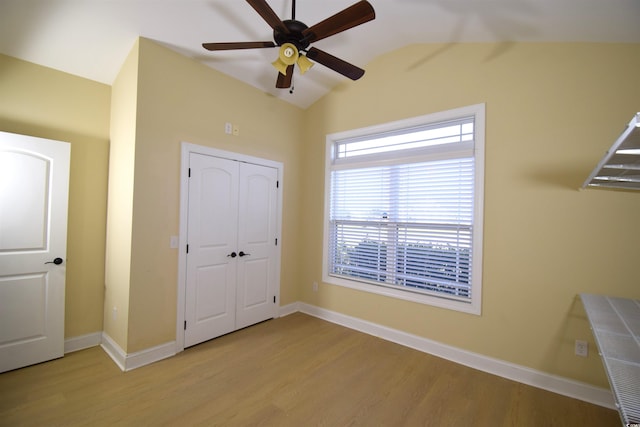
(231, 264)
(256, 240)
(34, 182)
(212, 239)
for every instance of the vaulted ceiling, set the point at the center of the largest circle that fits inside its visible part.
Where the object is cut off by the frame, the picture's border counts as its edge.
(91, 38)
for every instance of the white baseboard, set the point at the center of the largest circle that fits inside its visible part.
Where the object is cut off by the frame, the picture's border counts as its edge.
(127, 362)
(114, 351)
(150, 355)
(82, 342)
(288, 309)
(522, 374)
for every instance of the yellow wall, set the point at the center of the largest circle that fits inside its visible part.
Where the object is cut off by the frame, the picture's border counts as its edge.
(552, 111)
(179, 100)
(42, 102)
(120, 200)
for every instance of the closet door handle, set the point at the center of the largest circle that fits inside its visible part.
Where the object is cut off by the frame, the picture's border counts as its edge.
(243, 254)
(233, 254)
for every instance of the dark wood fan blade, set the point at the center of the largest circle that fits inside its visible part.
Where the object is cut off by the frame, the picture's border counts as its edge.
(336, 64)
(350, 17)
(237, 45)
(268, 15)
(284, 82)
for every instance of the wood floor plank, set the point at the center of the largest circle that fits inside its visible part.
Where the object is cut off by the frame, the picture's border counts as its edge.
(292, 371)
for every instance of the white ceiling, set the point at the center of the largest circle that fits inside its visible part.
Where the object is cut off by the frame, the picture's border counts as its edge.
(91, 38)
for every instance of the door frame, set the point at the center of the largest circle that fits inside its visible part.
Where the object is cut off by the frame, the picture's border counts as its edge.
(186, 150)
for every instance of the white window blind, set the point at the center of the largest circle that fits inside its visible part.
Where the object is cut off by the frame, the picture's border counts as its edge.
(405, 225)
(402, 209)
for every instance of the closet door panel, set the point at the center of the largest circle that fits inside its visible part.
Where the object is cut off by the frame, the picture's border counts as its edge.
(257, 218)
(212, 236)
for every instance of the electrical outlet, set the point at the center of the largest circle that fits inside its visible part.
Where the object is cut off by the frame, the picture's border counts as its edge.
(114, 313)
(582, 348)
(315, 286)
(228, 128)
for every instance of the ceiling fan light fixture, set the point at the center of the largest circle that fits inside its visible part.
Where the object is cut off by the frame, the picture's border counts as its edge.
(304, 64)
(288, 55)
(280, 66)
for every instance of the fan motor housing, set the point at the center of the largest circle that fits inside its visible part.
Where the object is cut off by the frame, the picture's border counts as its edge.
(294, 37)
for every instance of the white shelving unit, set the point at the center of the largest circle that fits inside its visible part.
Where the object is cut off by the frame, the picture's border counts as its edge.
(615, 323)
(620, 166)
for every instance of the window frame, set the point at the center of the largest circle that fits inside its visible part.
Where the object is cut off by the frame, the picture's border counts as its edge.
(438, 152)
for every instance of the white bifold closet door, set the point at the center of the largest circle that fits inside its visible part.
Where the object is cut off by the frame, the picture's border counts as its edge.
(231, 236)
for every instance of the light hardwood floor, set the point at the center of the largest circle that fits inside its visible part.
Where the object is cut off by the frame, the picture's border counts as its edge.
(292, 371)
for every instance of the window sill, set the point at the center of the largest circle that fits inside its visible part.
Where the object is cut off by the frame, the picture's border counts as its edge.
(471, 307)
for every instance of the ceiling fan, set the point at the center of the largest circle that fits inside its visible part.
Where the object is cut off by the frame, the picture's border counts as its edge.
(294, 37)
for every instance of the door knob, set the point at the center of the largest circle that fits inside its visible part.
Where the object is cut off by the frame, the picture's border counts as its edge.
(233, 254)
(243, 254)
(56, 261)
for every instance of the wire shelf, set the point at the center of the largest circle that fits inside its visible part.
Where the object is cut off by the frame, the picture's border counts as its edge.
(615, 323)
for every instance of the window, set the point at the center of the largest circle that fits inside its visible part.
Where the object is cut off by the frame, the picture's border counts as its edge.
(403, 207)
